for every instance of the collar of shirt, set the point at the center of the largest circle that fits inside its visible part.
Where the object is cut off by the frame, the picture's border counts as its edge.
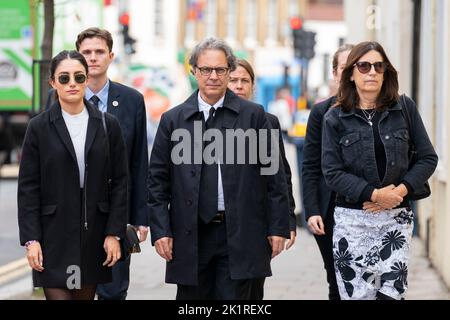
(102, 95)
(204, 107)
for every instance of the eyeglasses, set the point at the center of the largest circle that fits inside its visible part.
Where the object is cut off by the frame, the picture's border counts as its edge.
(206, 71)
(65, 78)
(365, 67)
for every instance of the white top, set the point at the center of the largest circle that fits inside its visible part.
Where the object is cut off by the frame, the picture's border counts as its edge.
(77, 126)
(204, 107)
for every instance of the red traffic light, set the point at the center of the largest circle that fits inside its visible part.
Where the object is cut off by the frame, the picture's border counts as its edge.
(296, 23)
(124, 19)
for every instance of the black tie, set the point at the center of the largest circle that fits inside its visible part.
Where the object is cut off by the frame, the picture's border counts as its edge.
(94, 99)
(212, 112)
(208, 182)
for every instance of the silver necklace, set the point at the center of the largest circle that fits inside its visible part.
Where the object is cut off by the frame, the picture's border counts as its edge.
(369, 115)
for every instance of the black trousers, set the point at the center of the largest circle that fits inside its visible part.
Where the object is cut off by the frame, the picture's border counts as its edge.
(118, 288)
(257, 291)
(214, 280)
(325, 244)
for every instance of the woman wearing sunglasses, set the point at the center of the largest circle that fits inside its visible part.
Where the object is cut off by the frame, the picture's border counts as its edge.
(365, 160)
(70, 216)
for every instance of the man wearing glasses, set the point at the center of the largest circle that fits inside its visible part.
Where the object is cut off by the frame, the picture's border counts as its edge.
(217, 225)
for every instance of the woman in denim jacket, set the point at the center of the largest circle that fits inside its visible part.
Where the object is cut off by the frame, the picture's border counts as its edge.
(365, 160)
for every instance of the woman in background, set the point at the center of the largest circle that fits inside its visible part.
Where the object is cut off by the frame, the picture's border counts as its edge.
(318, 198)
(242, 83)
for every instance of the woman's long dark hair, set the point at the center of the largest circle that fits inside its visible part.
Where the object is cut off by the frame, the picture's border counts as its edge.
(347, 96)
(63, 55)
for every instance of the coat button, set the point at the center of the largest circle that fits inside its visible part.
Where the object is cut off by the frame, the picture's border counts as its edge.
(392, 163)
(192, 173)
(387, 137)
(347, 141)
(189, 202)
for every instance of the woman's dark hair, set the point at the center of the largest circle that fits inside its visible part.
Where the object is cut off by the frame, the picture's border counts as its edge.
(248, 67)
(343, 48)
(347, 96)
(63, 55)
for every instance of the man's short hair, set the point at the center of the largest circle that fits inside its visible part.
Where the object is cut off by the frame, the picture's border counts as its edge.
(213, 44)
(95, 32)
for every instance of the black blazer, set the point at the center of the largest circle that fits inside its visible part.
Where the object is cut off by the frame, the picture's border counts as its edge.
(51, 208)
(255, 205)
(128, 106)
(273, 120)
(130, 111)
(317, 196)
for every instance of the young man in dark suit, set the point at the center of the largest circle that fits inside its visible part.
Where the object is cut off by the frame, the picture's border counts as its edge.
(127, 105)
(217, 225)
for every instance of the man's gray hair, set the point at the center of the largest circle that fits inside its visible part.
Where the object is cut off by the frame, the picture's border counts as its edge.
(213, 44)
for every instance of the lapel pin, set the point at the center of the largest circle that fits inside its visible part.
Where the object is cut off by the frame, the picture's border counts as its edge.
(115, 103)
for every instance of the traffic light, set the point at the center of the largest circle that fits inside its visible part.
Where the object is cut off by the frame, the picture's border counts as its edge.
(299, 36)
(310, 42)
(296, 23)
(128, 41)
(304, 41)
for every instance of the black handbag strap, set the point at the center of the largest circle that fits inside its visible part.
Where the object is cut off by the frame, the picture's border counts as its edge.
(108, 158)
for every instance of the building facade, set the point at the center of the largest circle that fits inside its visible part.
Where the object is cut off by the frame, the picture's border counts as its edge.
(260, 31)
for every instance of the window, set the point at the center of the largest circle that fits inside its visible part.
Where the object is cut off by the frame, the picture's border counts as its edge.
(231, 20)
(251, 24)
(211, 18)
(272, 22)
(189, 39)
(159, 19)
(293, 8)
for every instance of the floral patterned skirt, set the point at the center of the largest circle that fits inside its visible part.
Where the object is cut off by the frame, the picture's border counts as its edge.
(371, 252)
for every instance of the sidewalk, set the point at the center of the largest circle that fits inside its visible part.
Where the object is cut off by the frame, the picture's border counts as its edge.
(298, 274)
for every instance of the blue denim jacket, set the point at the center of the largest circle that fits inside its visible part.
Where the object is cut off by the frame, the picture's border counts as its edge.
(348, 152)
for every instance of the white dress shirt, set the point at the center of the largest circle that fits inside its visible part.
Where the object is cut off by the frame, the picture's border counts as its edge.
(102, 95)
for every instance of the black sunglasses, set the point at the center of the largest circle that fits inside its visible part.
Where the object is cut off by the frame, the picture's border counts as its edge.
(364, 66)
(65, 78)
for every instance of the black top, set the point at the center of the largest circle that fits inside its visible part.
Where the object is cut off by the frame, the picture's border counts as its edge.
(317, 196)
(380, 153)
(349, 160)
(380, 156)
